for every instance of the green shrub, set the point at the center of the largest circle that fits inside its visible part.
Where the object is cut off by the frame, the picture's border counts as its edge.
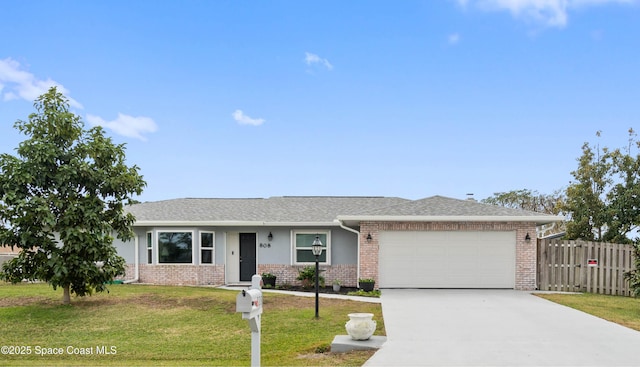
(268, 276)
(308, 277)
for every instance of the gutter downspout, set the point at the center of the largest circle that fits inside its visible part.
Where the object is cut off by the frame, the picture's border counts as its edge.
(136, 258)
(358, 257)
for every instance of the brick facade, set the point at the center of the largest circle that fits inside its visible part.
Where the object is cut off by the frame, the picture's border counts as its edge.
(214, 274)
(287, 274)
(179, 274)
(525, 250)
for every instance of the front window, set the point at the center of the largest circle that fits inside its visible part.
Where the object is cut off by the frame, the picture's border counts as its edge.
(302, 247)
(206, 247)
(149, 248)
(175, 247)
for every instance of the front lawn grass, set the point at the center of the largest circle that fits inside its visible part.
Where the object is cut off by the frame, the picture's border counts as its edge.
(621, 310)
(164, 326)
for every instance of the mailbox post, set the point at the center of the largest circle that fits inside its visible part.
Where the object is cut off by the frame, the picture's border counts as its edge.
(249, 302)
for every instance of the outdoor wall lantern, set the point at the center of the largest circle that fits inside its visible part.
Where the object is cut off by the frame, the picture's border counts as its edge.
(369, 238)
(270, 237)
(527, 237)
(316, 249)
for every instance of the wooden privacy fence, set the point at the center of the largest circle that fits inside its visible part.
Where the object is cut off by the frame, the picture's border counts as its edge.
(581, 266)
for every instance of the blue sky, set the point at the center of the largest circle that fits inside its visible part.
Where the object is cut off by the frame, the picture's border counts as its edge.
(392, 98)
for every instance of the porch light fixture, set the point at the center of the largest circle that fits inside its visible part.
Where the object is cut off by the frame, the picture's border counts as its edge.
(270, 237)
(527, 237)
(369, 238)
(316, 249)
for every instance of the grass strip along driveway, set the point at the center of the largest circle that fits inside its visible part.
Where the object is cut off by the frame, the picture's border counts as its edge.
(164, 325)
(621, 310)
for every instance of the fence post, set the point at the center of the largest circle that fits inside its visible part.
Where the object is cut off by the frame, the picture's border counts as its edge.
(543, 265)
(572, 266)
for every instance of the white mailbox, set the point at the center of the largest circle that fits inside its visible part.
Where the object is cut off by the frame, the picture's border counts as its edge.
(249, 302)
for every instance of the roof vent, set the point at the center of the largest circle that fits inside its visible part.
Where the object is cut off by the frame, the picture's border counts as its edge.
(470, 197)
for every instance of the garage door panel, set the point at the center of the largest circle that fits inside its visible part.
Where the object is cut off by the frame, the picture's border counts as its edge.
(447, 259)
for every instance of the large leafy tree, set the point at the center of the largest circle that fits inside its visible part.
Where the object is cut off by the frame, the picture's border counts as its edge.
(62, 199)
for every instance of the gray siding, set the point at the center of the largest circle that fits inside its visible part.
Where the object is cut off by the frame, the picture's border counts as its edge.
(278, 251)
(125, 249)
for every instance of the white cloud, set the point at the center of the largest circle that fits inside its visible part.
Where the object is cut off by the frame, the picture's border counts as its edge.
(453, 38)
(243, 119)
(130, 126)
(16, 83)
(550, 13)
(312, 59)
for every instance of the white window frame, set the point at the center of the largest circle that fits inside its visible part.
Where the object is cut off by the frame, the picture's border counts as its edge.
(211, 249)
(174, 230)
(149, 253)
(326, 248)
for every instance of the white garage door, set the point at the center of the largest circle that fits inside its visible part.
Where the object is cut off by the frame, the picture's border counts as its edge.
(447, 259)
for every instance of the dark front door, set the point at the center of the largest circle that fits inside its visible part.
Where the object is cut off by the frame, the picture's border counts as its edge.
(247, 256)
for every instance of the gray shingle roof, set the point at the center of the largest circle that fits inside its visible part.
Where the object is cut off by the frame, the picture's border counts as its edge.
(440, 208)
(303, 209)
(325, 209)
(444, 206)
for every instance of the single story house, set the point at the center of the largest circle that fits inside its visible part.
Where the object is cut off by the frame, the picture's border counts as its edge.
(437, 242)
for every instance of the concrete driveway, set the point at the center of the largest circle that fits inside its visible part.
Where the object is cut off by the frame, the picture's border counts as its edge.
(496, 328)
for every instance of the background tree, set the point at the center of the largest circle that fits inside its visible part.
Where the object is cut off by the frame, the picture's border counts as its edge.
(624, 197)
(624, 207)
(603, 203)
(527, 200)
(533, 201)
(586, 197)
(61, 200)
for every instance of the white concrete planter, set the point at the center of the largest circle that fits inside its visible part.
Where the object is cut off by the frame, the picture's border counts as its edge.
(360, 326)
